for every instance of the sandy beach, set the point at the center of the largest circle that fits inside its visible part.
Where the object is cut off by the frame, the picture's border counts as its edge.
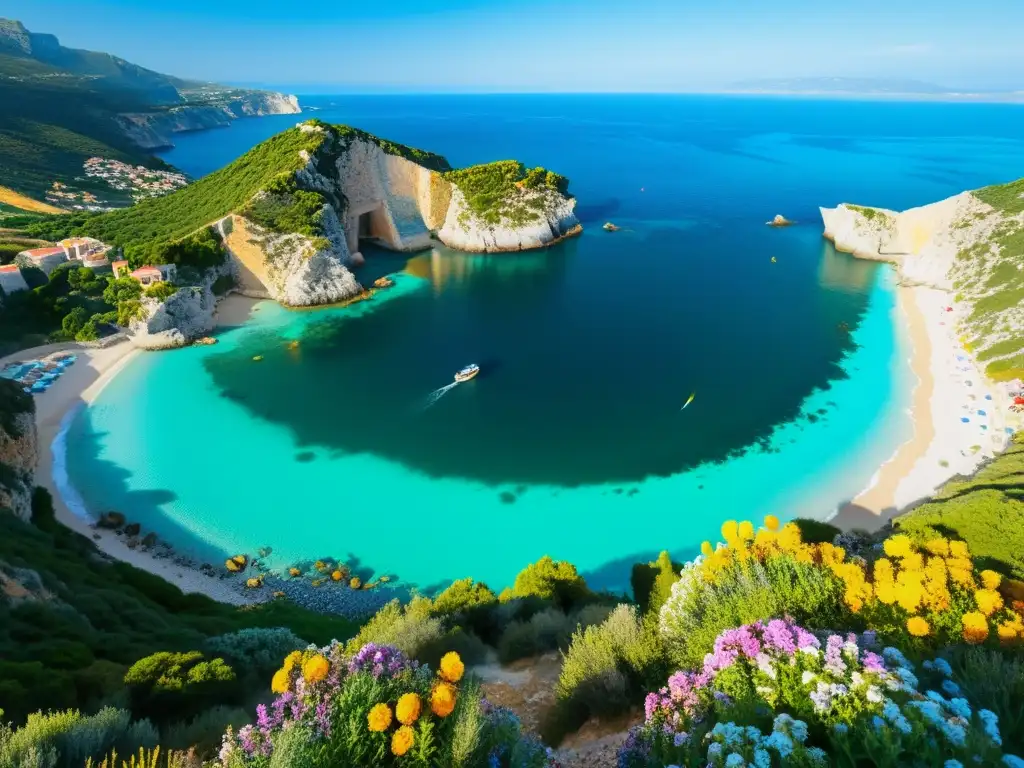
(959, 417)
(77, 387)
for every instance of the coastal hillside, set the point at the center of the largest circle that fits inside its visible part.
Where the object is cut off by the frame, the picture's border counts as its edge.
(971, 245)
(68, 105)
(292, 211)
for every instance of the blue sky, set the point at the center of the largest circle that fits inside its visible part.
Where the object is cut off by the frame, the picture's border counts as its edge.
(545, 45)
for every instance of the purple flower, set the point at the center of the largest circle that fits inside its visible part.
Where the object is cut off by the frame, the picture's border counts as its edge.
(380, 661)
(873, 662)
(779, 636)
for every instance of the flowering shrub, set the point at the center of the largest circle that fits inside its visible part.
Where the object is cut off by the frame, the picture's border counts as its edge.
(377, 708)
(776, 694)
(932, 595)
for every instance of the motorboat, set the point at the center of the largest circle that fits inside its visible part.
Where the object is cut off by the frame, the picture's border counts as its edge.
(467, 373)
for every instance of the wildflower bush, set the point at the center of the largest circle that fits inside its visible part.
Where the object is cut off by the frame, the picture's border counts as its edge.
(377, 708)
(776, 694)
(925, 596)
(552, 580)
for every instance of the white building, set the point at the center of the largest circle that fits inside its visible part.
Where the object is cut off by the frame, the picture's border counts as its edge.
(80, 248)
(11, 279)
(46, 259)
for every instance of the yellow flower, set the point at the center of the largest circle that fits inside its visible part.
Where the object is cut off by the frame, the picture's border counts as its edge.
(1007, 631)
(746, 530)
(281, 681)
(355, 583)
(706, 548)
(790, 538)
(771, 522)
(337, 576)
(315, 669)
(730, 529)
(912, 561)
(989, 601)
(991, 579)
(886, 593)
(918, 627)
(975, 627)
(379, 718)
(452, 667)
(961, 576)
(408, 708)
(898, 546)
(442, 699)
(291, 660)
(959, 549)
(401, 740)
(938, 546)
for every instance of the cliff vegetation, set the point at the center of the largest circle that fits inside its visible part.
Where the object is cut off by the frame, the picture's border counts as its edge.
(493, 191)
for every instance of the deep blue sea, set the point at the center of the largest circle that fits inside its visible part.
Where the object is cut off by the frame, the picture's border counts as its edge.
(571, 442)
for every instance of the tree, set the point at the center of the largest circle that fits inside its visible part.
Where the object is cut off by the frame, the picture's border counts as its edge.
(74, 320)
(88, 332)
(122, 289)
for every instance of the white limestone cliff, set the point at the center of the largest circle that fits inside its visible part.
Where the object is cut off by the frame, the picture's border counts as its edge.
(155, 130)
(176, 322)
(923, 242)
(556, 219)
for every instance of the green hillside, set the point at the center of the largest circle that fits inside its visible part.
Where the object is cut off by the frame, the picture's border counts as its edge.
(146, 229)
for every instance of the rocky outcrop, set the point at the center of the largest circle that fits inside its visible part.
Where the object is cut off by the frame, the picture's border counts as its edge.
(19, 449)
(293, 269)
(155, 130)
(176, 322)
(923, 242)
(555, 220)
(968, 245)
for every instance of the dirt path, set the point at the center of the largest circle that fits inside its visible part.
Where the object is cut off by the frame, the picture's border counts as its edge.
(527, 687)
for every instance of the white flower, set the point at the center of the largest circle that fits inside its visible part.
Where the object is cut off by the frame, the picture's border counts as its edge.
(873, 694)
(857, 679)
(807, 677)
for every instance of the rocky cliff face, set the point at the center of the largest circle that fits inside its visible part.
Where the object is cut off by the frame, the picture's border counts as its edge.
(176, 322)
(971, 245)
(155, 130)
(555, 221)
(19, 449)
(923, 242)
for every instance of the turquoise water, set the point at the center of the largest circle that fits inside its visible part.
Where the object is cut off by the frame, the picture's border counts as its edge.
(571, 441)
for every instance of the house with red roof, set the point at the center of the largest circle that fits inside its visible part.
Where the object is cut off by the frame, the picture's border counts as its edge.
(148, 275)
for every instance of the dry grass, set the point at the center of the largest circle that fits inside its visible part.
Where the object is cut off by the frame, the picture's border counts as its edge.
(18, 200)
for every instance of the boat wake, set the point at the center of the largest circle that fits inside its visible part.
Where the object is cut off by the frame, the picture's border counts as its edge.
(437, 394)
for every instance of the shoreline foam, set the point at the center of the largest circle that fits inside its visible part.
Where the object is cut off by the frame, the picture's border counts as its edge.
(56, 408)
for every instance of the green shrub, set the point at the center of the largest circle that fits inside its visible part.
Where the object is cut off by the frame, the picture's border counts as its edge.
(88, 331)
(815, 531)
(185, 683)
(606, 670)
(410, 628)
(63, 739)
(74, 320)
(492, 190)
(161, 291)
(652, 582)
(544, 631)
(986, 511)
(553, 580)
(122, 289)
(698, 611)
(463, 595)
(255, 650)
